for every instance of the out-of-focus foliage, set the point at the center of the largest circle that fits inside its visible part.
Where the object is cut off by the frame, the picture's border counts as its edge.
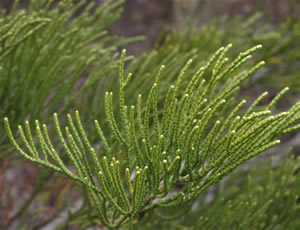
(284, 58)
(280, 48)
(49, 57)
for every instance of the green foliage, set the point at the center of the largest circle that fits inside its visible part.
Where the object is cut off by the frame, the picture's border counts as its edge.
(283, 59)
(280, 49)
(167, 134)
(263, 196)
(187, 137)
(49, 57)
(266, 198)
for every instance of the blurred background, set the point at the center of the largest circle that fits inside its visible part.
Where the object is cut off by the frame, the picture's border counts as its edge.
(150, 17)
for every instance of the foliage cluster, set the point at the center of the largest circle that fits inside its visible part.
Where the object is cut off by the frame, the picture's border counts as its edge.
(164, 133)
(264, 196)
(280, 48)
(50, 56)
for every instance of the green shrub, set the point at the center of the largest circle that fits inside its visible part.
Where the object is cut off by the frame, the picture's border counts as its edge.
(168, 133)
(191, 141)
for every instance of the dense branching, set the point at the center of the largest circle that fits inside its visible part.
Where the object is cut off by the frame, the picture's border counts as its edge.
(192, 138)
(262, 196)
(266, 198)
(53, 53)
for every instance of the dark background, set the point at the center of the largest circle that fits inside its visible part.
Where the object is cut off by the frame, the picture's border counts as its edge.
(150, 17)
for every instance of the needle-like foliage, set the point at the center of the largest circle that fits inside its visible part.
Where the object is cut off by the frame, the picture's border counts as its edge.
(263, 196)
(266, 198)
(193, 141)
(51, 54)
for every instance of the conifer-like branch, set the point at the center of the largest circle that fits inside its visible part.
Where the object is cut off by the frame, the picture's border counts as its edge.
(188, 140)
